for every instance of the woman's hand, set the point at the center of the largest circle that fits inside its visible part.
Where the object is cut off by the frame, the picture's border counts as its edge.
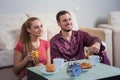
(32, 57)
(39, 64)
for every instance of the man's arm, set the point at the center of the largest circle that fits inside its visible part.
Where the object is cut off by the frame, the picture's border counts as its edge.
(93, 43)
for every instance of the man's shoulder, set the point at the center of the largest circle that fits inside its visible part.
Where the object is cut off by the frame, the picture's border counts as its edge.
(79, 32)
(54, 38)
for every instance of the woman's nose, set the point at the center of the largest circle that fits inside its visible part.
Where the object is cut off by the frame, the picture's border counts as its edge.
(40, 28)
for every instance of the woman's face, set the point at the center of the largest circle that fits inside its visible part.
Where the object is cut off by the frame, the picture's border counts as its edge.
(36, 29)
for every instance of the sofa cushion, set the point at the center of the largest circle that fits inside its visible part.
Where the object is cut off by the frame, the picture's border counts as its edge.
(10, 25)
(2, 44)
(114, 18)
(6, 58)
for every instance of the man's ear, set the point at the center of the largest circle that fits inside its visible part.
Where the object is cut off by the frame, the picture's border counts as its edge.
(58, 23)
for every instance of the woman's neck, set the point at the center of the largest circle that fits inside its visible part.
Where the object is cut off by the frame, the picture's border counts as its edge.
(35, 42)
(34, 39)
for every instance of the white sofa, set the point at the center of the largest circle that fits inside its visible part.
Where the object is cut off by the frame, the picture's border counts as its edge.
(10, 25)
(114, 25)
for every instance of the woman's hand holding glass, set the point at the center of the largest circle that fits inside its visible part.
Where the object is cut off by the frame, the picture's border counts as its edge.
(34, 57)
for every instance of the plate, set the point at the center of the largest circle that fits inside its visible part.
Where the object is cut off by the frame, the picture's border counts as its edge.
(48, 73)
(86, 69)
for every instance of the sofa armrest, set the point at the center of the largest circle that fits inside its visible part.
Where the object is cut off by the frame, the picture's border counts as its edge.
(103, 34)
(115, 39)
(6, 58)
(114, 28)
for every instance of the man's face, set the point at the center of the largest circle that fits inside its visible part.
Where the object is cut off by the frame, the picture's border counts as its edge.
(66, 22)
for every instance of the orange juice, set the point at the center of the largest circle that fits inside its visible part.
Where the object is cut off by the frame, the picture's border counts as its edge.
(87, 54)
(36, 53)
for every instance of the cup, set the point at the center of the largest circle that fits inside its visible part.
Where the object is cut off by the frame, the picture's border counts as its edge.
(36, 53)
(58, 63)
(94, 59)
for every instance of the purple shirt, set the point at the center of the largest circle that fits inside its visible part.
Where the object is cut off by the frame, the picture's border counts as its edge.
(63, 48)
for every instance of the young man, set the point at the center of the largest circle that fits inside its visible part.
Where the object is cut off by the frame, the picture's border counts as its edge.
(70, 44)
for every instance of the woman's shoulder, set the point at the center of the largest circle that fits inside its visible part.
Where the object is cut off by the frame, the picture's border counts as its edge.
(19, 43)
(44, 41)
(19, 46)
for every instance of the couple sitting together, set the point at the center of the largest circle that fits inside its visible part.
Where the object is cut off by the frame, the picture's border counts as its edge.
(66, 44)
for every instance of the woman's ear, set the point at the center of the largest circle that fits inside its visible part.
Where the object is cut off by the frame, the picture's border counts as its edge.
(28, 30)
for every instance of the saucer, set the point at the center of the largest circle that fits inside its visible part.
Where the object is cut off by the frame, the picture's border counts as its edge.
(84, 70)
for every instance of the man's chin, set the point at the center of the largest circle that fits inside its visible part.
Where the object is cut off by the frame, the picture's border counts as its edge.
(68, 30)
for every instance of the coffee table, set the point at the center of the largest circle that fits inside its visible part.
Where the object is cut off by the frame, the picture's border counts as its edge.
(98, 72)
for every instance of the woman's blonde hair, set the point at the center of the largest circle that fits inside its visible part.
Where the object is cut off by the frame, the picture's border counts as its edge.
(25, 35)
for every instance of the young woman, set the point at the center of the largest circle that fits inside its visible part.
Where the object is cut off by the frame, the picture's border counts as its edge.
(28, 44)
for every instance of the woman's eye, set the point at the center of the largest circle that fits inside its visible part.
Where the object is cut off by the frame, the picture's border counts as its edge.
(36, 27)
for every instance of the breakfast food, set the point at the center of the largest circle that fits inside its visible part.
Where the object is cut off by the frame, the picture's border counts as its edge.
(85, 65)
(50, 68)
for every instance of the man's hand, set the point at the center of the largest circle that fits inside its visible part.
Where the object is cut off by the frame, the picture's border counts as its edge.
(95, 48)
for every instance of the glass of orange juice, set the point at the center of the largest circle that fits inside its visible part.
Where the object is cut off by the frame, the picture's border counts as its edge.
(87, 54)
(35, 53)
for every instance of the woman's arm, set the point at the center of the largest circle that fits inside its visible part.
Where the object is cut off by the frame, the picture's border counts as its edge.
(19, 63)
(48, 56)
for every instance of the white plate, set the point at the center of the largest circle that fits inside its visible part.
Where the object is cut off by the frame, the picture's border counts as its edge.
(48, 73)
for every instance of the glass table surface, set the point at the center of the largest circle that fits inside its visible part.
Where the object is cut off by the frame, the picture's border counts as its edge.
(99, 71)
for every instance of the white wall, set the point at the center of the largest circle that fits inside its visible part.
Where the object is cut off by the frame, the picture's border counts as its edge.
(90, 12)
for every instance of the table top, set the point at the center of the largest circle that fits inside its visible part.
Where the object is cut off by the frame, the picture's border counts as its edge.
(97, 72)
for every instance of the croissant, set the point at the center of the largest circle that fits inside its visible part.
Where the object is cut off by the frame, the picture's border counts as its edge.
(50, 68)
(85, 65)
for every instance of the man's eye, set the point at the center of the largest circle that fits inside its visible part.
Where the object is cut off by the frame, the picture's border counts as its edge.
(41, 26)
(64, 20)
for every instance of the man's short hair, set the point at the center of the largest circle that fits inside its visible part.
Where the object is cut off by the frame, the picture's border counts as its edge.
(61, 13)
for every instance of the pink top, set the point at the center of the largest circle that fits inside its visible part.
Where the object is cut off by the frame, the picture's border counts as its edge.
(44, 45)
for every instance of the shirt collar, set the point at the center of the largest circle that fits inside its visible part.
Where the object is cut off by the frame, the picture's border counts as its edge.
(60, 36)
(74, 33)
